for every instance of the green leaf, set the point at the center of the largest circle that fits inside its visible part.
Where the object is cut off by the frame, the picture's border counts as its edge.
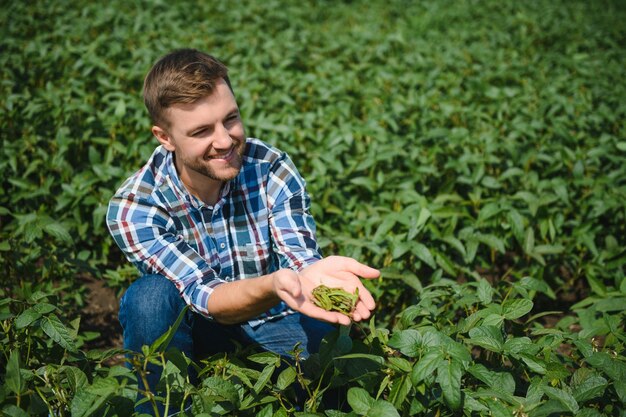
(537, 285)
(120, 109)
(497, 408)
(13, 378)
(449, 375)
(44, 308)
(374, 358)
(550, 408)
(492, 241)
(488, 211)
(484, 291)
(399, 391)
(383, 408)
(104, 387)
(499, 381)
(620, 388)
(264, 378)
(75, 377)
(589, 412)
(563, 397)
(58, 231)
(86, 403)
(172, 377)
(426, 366)
(494, 319)
(489, 337)
(549, 249)
(286, 378)
(517, 224)
(534, 364)
(611, 304)
(614, 368)
(266, 411)
(56, 330)
(360, 400)
(399, 364)
(27, 317)
(514, 309)
(444, 262)
(422, 218)
(13, 411)
(407, 341)
(266, 358)
(179, 359)
(218, 389)
(422, 252)
(590, 388)
(529, 241)
(164, 340)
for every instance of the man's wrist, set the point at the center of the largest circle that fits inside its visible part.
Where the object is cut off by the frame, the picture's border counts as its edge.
(277, 283)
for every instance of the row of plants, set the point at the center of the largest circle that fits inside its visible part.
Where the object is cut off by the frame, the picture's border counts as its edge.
(469, 348)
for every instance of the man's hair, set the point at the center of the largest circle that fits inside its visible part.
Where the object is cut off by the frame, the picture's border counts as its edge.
(182, 76)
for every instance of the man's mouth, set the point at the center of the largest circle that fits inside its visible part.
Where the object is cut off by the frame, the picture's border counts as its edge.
(225, 156)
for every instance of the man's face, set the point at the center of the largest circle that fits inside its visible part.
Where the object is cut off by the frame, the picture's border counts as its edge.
(207, 137)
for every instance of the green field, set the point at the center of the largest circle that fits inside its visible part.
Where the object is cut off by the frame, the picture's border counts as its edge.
(475, 151)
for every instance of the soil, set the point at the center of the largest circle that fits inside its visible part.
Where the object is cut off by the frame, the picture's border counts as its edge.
(100, 315)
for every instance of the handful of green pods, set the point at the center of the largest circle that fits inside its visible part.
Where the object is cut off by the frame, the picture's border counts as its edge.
(335, 299)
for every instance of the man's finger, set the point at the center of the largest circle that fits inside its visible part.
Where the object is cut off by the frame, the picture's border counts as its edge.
(366, 298)
(362, 270)
(329, 316)
(361, 312)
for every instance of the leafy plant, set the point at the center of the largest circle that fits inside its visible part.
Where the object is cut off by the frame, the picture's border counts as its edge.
(472, 150)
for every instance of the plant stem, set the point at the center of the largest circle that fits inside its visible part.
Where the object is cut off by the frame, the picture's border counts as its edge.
(147, 391)
(167, 388)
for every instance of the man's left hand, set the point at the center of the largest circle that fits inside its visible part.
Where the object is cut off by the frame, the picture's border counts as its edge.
(335, 272)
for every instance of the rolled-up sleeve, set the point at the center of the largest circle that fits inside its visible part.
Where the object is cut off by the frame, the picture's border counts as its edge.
(291, 223)
(146, 235)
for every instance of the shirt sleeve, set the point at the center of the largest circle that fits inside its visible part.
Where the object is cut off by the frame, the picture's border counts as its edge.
(146, 235)
(291, 223)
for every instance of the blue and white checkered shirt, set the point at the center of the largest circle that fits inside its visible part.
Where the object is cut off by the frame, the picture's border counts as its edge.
(260, 224)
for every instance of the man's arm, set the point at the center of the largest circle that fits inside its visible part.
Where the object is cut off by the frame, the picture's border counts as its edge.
(292, 226)
(293, 233)
(146, 235)
(238, 301)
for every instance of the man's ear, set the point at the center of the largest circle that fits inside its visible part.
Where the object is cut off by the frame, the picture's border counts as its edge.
(164, 138)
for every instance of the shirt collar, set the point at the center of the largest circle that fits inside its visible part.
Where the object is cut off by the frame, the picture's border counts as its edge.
(181, 190)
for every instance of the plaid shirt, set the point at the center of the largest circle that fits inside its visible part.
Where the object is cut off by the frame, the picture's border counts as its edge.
(260, 224)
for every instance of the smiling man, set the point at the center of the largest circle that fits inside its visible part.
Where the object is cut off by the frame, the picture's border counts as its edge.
(220, 222)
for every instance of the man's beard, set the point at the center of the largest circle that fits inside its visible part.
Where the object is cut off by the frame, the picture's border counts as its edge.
(224, 174)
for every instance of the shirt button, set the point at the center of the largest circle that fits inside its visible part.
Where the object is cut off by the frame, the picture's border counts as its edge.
(222, 245)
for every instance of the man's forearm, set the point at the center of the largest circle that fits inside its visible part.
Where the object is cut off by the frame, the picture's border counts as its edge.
(239, 301)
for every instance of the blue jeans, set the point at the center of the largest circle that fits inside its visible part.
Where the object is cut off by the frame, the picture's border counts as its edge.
(152, 304)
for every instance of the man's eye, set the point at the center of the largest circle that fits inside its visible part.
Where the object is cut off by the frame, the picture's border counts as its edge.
(198, 133)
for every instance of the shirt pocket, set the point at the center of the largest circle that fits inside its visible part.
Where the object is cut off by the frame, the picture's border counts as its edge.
(253, 259)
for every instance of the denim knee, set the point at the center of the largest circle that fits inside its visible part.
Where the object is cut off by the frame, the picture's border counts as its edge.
(148, 308)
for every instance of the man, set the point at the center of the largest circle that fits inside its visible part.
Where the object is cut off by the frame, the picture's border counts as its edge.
(221, 223)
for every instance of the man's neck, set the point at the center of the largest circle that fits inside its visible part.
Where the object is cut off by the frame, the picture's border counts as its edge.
(206, 189)
(209, 196)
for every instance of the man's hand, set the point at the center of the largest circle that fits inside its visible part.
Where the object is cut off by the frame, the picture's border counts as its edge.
(335, 271)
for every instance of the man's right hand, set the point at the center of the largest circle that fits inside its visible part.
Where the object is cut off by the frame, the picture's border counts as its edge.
(295, 289)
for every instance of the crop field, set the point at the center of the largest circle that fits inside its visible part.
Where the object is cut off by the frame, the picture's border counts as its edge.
(473, 150)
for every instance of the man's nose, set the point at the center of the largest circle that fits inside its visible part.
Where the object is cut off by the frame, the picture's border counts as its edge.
(222, 138)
